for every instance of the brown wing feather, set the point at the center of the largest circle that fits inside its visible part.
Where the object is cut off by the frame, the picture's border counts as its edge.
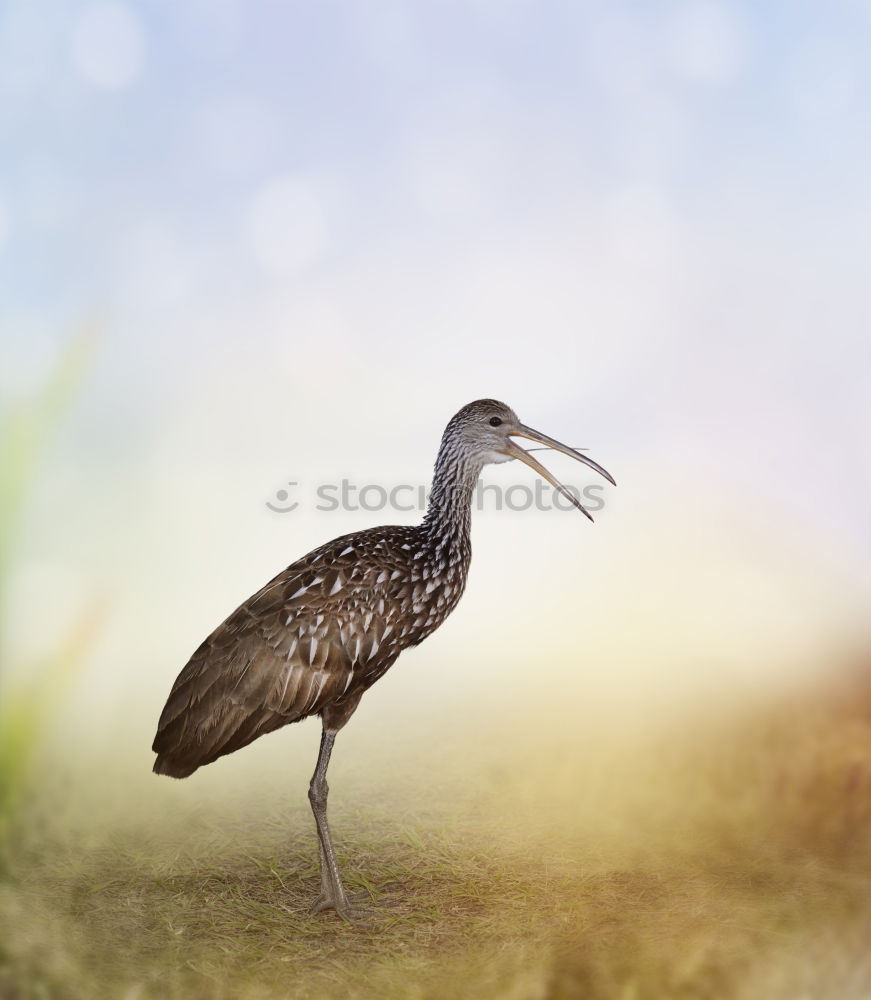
(275, 660)
(310, 641)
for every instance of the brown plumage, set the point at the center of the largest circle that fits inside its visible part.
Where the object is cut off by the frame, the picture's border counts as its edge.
(327, 627)
(312, 640)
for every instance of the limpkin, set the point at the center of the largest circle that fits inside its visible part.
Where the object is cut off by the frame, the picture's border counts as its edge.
(326, 628)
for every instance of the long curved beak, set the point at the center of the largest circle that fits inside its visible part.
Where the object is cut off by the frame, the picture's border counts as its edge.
(515, 451)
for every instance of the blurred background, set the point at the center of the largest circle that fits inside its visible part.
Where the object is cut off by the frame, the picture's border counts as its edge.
(244, 245)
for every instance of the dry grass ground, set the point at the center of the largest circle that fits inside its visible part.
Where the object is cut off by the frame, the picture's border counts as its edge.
(729, 862)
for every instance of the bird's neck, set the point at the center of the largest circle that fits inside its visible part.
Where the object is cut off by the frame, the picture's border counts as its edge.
(449, 513)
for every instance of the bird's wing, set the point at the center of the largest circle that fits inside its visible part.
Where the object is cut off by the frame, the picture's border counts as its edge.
(295, 646)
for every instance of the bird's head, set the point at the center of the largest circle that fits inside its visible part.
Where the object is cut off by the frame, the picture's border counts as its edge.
(484, 432)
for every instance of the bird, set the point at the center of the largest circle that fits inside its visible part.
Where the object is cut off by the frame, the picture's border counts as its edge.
(315, 638)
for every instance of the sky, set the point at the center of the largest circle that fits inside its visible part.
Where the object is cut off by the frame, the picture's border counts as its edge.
(309, 233)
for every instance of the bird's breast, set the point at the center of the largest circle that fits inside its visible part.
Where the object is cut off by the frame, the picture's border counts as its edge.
(432, 592)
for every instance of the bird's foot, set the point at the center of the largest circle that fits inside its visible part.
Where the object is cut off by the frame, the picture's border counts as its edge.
(347, 906)
(356, 907)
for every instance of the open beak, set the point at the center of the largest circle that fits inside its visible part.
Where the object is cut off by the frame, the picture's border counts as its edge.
(515, 451)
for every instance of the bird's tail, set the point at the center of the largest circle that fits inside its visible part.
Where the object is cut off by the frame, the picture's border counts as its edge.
(173, 768)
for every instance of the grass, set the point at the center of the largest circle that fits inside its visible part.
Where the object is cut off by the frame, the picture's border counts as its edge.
(731, 861)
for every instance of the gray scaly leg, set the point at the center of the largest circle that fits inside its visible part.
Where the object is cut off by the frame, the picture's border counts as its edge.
(332, 894)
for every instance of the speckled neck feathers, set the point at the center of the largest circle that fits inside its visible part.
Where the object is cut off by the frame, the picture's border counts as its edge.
(448, 517)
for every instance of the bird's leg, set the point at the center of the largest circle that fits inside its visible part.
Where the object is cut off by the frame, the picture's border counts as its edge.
(326, 882)
(332, 894)
(357, 900)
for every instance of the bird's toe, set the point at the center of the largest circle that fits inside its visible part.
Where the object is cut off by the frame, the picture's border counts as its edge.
(359, 916)
(322, 903)
(349, 909)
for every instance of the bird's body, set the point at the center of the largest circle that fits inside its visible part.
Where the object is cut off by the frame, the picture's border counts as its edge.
(312, 640)
(318, 635)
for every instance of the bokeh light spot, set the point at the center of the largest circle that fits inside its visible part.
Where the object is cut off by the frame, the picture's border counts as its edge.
(235, 135)
(108, 46)
(706, 42)
(286, 228)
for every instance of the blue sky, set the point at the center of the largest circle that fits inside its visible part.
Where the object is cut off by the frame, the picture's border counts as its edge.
(692, 99)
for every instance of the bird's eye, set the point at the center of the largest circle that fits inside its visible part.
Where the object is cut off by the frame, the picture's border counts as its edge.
(495, 421)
